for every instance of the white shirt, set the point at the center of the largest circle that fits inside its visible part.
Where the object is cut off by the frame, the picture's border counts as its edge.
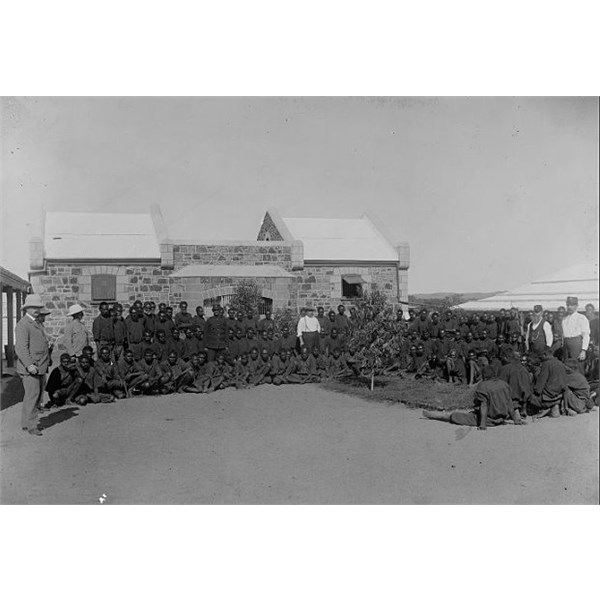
(577, 324)
(308, 325)
(547, 332)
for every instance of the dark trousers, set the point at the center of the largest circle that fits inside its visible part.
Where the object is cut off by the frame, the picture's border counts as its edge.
(211, 353)
(572, 349)
(311, 340)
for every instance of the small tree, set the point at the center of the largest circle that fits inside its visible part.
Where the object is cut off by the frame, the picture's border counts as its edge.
(283, 317)
(374, 333)
(246, 296)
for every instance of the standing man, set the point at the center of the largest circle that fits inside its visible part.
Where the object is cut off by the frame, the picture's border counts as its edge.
(309, 329)
(33, 359)
(538, 336)
(76, 335)
(576, 333)
(103, 329)
(216, 339)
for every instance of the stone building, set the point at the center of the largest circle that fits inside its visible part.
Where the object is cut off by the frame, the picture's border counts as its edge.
(93, 257)
(341, 257)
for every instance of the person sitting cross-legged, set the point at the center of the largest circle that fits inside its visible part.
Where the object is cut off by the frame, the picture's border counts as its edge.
(337, 367)
(109, 379)
(200, 382)
(260, 367)
(130, 374)
(550, 384)
(281, 366)
(241, 372)
(492, 405)
(87, 391)
(305, 370)
(175, 374)
(455, 367)
(63, 382)
(151, 370)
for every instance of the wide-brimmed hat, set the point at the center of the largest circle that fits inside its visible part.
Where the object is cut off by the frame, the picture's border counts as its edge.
(74, 310)
(33, 301)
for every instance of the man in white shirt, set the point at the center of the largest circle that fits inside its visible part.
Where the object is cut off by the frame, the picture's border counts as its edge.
(538, 336)
(576, 333)
(309, 329)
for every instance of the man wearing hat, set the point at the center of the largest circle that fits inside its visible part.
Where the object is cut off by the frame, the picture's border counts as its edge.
(538, 336)
(576, 333)
(33, 359)
(309, 329)
(76, 335)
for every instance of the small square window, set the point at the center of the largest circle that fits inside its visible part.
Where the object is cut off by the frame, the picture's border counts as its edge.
(352, 286)
(104, 288)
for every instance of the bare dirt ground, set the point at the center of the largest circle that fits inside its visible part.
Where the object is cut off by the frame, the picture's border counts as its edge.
(290, 445)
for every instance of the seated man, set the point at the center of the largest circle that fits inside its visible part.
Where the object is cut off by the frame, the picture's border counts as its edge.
(550, 384)
(241, 372)
(160, 347)
(281, 367)
(88, 352)
(305, 370)
(215, 371)
(130, 374)
(151, 371)
(200, 382)
(322, 361)
(337, 366)
(455, 368)
(353, 360)
(175, 343)
(87, 390)
(63, 382)
(109, 379)
(174, 374)
(492, 406)
(260, 367)
(473, 368)
(519, 381)
(576, 398)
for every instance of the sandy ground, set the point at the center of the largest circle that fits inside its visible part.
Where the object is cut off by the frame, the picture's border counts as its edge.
(290, 445)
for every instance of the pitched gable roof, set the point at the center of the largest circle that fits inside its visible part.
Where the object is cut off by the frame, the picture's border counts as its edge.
(94, 236)
(551, 291)
(341, 239)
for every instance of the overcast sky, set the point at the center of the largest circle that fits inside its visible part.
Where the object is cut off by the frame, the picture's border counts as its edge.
(489, 192)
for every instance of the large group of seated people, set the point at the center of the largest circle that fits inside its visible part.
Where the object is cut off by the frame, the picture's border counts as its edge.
(152, 352)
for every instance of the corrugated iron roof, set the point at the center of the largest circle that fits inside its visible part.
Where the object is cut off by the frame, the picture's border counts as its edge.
(96, 236)
(249, 271)
(551, 291)
(341, 239)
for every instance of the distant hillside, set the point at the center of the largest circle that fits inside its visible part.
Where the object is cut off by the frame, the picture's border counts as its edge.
(448, 298)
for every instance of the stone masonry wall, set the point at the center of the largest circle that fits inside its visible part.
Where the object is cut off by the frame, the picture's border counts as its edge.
(200, 290)
(268, 230)
(321, 285)
(62, 285)
(265, 253)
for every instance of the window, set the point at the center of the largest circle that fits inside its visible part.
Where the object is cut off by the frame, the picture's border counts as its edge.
(352, 286)
(104, 288)
(264, 305)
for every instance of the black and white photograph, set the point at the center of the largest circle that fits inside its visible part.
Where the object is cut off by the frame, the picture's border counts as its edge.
(376, 300)
(299, 300)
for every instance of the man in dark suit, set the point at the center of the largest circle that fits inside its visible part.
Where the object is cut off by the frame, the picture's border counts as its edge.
(33, 359)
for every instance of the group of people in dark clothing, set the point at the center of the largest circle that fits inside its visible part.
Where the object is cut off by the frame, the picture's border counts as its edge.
(151, 352)
(535, 357)
(536, 364)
